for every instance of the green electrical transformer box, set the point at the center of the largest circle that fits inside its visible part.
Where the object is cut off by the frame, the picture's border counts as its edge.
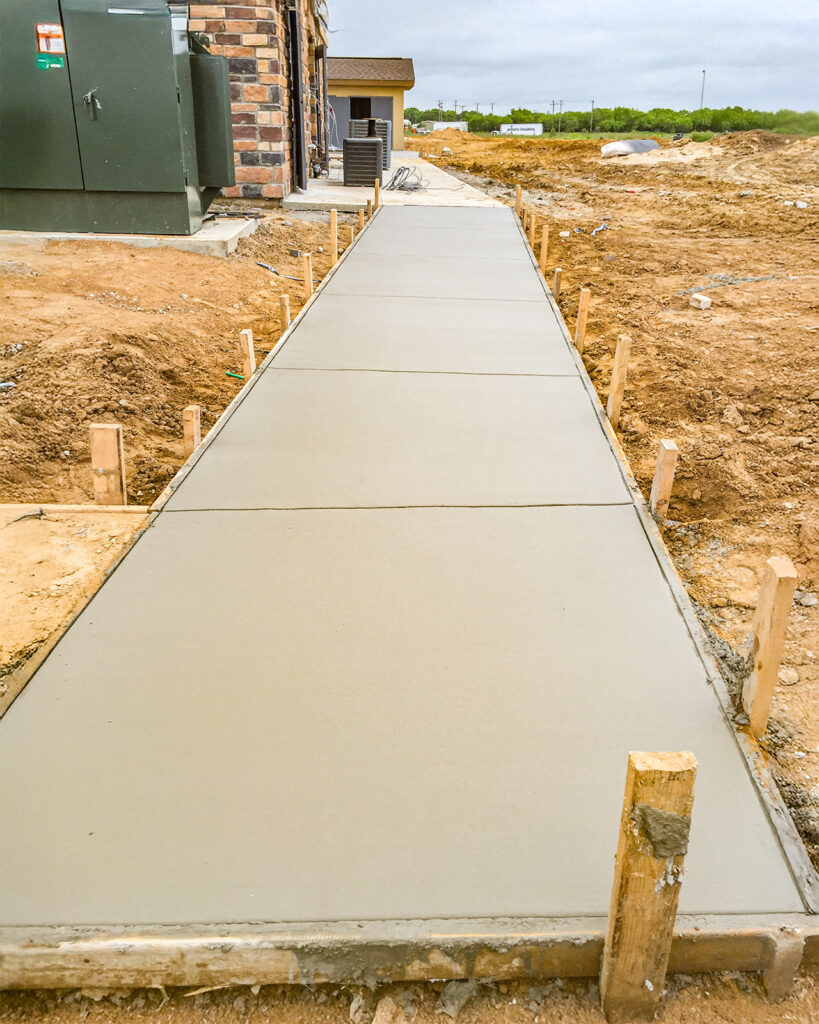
(113, 118)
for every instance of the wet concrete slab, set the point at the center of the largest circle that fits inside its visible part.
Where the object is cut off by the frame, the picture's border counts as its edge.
(453, 218)
(338, 712)
(500, 244)
(439, 276)
(297, 716)
(326, 439)
(433, 335)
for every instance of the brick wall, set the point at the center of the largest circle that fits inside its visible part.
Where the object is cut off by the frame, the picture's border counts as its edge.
(255, 40)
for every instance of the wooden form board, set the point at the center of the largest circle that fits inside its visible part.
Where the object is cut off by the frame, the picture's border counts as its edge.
(372, 952)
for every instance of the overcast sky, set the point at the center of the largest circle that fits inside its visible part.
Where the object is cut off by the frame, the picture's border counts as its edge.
(635, 53)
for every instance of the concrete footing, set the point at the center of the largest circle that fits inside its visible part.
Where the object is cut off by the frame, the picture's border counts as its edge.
(218, 236)
(384, 952)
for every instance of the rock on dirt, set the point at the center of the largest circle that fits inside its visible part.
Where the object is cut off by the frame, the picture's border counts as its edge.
(456, 994)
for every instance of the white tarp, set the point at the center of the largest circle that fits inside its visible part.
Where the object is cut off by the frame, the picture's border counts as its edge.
(625, 146)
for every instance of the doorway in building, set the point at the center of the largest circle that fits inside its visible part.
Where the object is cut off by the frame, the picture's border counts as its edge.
(360, 107)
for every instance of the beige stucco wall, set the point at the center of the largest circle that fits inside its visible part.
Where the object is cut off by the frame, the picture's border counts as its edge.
(339, 88)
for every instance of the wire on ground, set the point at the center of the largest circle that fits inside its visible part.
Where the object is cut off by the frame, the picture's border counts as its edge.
(407, 179)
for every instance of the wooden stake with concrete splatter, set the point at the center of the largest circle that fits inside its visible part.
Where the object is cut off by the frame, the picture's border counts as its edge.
(248, 353)
(307, 266)
(663, 479)
(284, 310)
(648, 870)
(618, 379)
(360, 220)
(556, 283)
(108, 464)
(768, 628)
(191, 429)
(333, 237)
(544, 248)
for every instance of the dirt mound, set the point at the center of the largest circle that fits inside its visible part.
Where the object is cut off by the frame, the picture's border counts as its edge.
(99, 332)
(756, 141)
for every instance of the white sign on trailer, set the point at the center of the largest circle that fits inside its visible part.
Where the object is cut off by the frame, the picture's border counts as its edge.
(536, 128)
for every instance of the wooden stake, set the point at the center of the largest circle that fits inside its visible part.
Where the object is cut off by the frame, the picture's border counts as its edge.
(307, 264)
(525, 221)
(518, 199)
(284, 310)
(191, 428)
(352, 234)
(544, 248)
(556, 283)
(108, 464)
(648, 872)
(333, 237)
(360, 220)
(582, 317)
(618, 379)
(532, 224)
(663, 479)
(377, 194)
(768, 628)
(369, 208)
(248, 353)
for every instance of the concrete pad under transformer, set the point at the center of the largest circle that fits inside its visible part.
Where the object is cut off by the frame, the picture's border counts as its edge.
(326, 439)
(433, 335)
(417, 713)
(218, 236)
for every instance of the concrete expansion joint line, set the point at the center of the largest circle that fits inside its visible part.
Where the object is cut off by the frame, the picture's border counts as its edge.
(447, 298)
(387, 508)
(431, 373)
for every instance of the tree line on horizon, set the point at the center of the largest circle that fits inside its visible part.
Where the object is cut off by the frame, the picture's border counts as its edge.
(607, 120)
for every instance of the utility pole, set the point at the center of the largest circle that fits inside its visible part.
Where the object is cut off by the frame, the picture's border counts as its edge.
(591, 118)
(702, 90)
(560, 117)
(552, 124)
(492, 108)
(477, 108)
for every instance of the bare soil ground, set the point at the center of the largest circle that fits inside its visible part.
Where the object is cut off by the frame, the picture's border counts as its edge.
(101, 332)
(709, 999)
(736, 386)
(95, 332)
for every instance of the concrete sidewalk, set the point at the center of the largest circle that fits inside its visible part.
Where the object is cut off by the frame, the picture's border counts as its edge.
(385, 651)
(440, 189)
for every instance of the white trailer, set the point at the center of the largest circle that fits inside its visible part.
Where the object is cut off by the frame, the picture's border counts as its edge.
(440, 126)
